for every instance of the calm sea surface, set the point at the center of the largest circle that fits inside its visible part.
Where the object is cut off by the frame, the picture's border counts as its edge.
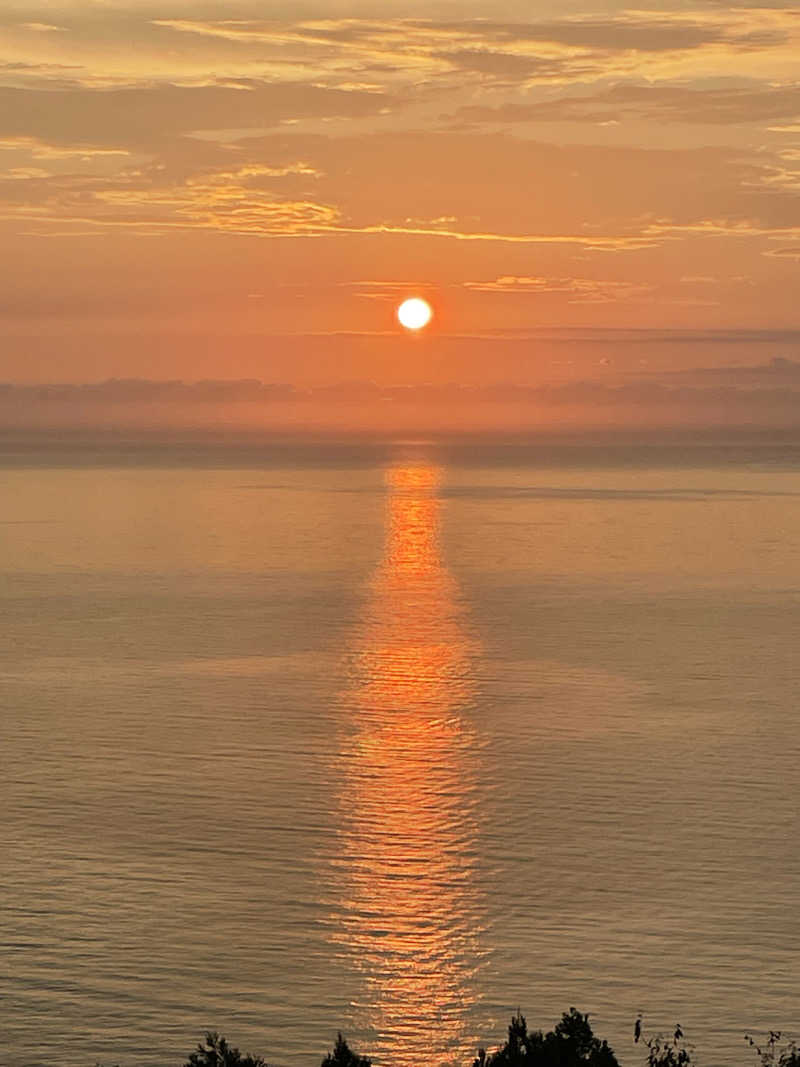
(394, 742)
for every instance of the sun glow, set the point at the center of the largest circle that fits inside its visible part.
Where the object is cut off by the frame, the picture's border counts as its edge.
(414, 313)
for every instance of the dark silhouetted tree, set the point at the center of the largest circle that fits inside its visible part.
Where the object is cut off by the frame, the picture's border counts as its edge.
(217, 1053)
(343, 1056)
(570, 1044)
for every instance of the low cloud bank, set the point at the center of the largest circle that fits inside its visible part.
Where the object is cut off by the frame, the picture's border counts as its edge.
(761, 397)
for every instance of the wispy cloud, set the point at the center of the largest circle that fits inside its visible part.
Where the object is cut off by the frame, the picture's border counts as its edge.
(753, 104)
(148, 118)
(42, 27)
(578, 290)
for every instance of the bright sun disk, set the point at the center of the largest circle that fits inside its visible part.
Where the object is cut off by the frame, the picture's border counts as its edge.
(414, 313)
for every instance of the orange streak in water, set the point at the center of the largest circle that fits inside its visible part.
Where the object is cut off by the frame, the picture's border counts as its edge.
(413, 911)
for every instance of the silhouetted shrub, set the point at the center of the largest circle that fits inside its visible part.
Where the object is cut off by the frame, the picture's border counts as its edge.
(217, 1053)
(343, 1056)
(771, 1054)
(570, 1044)
(664, 1053)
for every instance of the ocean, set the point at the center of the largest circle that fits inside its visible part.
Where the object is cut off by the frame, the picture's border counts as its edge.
(396, 740)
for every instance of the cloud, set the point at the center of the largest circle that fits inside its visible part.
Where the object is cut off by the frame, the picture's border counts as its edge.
(434, 53)
(779, 370)
(639, 32)
(139, 48)
(147, 118)
(510, 68)
(785, 252)
(40, 149)
(229, 200)
(365, 405)
(667, 103)
(42, 27)
(579, 290)
(414, 37)
(478, 188)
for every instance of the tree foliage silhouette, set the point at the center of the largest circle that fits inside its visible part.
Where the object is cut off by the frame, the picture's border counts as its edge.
(343, 1056)
(217, 1053)
(771, 1054)
(664, 1053)
(570, 1044)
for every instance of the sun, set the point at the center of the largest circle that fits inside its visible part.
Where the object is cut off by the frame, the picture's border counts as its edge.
(414, 313)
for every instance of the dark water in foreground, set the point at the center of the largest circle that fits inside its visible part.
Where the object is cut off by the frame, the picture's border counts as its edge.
(397, 742)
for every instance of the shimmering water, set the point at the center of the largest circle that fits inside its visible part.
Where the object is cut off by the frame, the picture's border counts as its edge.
(395, 742)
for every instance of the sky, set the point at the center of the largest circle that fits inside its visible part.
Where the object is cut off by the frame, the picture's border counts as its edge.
(600, 202)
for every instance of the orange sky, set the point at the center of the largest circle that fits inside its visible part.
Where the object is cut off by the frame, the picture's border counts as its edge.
(586, 193)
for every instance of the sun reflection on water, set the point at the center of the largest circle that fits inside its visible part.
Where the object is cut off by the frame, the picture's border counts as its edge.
(411, 910)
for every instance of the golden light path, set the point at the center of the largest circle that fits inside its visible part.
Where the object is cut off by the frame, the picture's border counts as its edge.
(412, 906)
